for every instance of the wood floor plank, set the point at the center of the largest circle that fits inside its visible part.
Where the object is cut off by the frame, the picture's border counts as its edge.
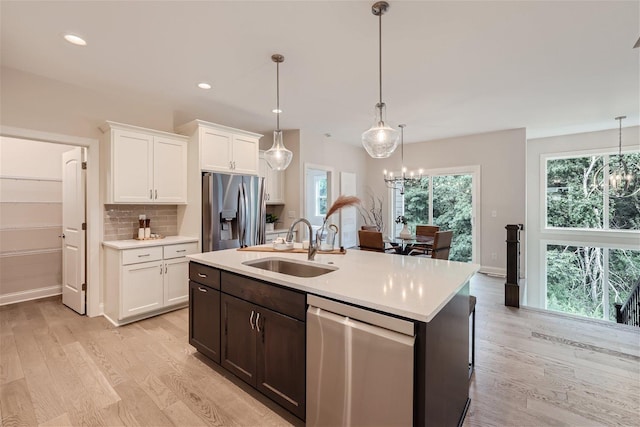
(10, 368)
(15, 401)
(181, 415)
(136, 401)
(60, 421)
(90, 375)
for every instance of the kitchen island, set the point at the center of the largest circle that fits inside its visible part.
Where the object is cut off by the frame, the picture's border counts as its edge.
(432, 295)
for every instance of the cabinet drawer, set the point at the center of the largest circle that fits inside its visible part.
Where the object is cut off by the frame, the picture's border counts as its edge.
(204, 274)
(177, 251)
(282, 300)
(134, 256)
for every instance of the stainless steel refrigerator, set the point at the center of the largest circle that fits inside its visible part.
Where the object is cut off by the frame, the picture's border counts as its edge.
(233, 211)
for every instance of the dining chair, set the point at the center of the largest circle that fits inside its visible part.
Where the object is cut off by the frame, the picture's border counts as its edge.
(372, 241)
(423, 231)
(441, 245)
(369, 228)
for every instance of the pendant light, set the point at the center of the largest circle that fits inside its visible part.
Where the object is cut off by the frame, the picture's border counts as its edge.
(621, 178)
(278, 157)
(381, 140)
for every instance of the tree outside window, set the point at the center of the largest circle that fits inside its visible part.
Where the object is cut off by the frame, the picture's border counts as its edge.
(320, 185)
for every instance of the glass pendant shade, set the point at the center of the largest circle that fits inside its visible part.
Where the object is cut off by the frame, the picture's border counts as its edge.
(381, 140)
(278, 157)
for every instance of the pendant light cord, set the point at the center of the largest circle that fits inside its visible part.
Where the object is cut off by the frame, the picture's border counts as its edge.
(620, 138)
(380, 58)
(278, 96)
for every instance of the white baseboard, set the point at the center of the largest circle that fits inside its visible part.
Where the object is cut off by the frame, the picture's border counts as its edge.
(31, 294)
(494, 271)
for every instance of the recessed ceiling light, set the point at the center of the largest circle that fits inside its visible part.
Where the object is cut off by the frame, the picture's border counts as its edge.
(204, 85)
(73, 39)
(277, 111)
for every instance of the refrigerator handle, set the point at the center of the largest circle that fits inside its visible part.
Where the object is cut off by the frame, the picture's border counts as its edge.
(245, 219)
(241, 216)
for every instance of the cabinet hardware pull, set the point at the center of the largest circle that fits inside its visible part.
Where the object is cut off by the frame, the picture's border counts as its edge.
(156, 194)
(161, 270)
(258, 322)
(202, 289)
(202, 275)
(151, 194)
(165, 269)
(182, 250)
(143, 255)
(251, 320)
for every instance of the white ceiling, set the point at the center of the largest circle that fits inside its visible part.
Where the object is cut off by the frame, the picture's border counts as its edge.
(450, 68)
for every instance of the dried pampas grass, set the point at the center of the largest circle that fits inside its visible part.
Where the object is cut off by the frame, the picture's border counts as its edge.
(342, 202)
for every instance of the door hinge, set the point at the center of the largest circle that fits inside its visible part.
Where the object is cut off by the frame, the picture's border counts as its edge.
(84, 165)
(84, 226)
(84, 286)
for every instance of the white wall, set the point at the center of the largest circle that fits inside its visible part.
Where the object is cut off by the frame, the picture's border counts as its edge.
(501, 157)
(606, 140)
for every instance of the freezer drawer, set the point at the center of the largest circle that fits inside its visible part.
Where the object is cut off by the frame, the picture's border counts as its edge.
(357, 373)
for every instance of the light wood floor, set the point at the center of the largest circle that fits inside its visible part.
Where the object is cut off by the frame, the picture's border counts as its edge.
(532, 368)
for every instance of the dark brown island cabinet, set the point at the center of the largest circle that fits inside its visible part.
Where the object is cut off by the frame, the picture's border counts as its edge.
(254, 329)
(257, 331)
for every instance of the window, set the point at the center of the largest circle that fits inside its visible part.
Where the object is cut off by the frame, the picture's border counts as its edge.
(589, 280)
(579, 194)
(595, 266)
(445, 200)
(320, 195)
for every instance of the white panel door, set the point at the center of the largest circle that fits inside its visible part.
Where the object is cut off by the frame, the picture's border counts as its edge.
(348, 216)
(169, 171)
(73, 236)
(176, 281)
(245, 155)
(132, 167)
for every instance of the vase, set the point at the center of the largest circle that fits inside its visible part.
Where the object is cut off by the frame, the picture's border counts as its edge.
(405, 233)
(269, 226)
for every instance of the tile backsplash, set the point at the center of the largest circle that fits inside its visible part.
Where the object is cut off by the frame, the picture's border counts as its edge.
(121, 221)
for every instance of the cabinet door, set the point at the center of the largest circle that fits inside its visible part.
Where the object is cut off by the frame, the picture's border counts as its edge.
(281, 360)
(169, 170)
(142, 288)
(245, 155)
(215, 150)
(204, 320)
(276, 186)
(238, 337)
(132, 167)
(176, 281)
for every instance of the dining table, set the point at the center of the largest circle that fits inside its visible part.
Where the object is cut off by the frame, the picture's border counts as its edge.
(406, 244)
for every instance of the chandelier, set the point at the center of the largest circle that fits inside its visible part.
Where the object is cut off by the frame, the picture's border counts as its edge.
(381, 139)
(621, 178)
(398, 183)
(278, 157)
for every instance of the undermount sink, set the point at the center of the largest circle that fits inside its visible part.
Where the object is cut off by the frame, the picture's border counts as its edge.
(292, 268)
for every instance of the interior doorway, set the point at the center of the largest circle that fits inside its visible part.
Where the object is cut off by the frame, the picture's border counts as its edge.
(319, 193)
(93, 219)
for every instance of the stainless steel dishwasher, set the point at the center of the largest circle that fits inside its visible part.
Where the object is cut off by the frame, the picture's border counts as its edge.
(359, 366)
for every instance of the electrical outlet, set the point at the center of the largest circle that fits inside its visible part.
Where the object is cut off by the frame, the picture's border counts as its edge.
(494, 256)
(494, 214)
(291, 214)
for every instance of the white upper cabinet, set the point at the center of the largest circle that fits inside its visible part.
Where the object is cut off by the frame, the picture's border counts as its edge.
(144, 166)
(224, 149)
(273, 182)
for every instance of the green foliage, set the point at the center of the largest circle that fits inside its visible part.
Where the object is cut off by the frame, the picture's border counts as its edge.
(271, 218)
(452, 209)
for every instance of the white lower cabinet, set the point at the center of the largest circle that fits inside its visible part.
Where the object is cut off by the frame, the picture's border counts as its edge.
(143, 282)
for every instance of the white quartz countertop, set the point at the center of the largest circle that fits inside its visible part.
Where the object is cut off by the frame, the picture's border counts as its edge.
(133, 243)
(413, 287)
